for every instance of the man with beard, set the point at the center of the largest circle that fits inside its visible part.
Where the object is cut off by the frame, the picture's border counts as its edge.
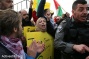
(26, 17)
(4, 4)
(72, 35)
(26, 20)
(10, 42)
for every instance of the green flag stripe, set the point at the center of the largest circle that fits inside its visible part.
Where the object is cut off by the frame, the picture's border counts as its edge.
(38, 1)
(59, 11)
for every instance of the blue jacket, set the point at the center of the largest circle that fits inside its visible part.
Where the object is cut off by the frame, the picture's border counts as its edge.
(28, 57)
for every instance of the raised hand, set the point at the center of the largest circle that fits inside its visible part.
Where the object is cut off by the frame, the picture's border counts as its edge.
(31, 3)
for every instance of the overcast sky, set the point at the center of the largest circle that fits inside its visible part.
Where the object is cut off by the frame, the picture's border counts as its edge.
(65, 4)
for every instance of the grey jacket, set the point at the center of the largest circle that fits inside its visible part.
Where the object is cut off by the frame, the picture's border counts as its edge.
(67, 48)
(58, 43)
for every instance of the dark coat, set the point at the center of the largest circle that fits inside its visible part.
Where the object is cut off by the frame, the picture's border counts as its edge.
(5, 53)
(40, 13)
(28, 21)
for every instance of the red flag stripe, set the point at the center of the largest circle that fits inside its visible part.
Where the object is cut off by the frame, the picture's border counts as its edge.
(56, 4)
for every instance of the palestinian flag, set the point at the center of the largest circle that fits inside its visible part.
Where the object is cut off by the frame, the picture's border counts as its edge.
(58, 8)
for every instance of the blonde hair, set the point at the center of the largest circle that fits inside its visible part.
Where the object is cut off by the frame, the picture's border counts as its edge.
(36, 25)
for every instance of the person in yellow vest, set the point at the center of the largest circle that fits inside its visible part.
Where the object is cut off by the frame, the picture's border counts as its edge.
(41, 24)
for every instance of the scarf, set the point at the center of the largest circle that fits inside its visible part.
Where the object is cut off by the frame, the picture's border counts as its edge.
(15, 46)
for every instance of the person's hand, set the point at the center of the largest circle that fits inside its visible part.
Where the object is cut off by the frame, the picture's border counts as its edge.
(67, 14)
(81, 48)
(48, 17)
(31, 3)
(87, 57)
(32, 49)
(40, 47)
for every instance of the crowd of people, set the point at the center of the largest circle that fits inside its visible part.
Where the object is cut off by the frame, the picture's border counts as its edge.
(70, 34)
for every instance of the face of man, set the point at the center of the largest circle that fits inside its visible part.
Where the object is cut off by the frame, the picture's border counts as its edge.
(80, 13)
(58, 19)
(24, 14)
(41, 24)
(6, 4)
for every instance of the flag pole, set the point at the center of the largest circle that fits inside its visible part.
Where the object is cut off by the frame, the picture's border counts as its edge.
(63, 9)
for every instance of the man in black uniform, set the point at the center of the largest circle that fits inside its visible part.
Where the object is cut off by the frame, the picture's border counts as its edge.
(72, 35)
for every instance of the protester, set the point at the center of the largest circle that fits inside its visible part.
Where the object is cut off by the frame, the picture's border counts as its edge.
(72, 35)
(26, 17)
(10, 34)
(41, 24)
(57, 20)
(47, 15)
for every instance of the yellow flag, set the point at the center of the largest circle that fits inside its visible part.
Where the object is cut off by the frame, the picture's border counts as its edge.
(35, 5)
(47, 5)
